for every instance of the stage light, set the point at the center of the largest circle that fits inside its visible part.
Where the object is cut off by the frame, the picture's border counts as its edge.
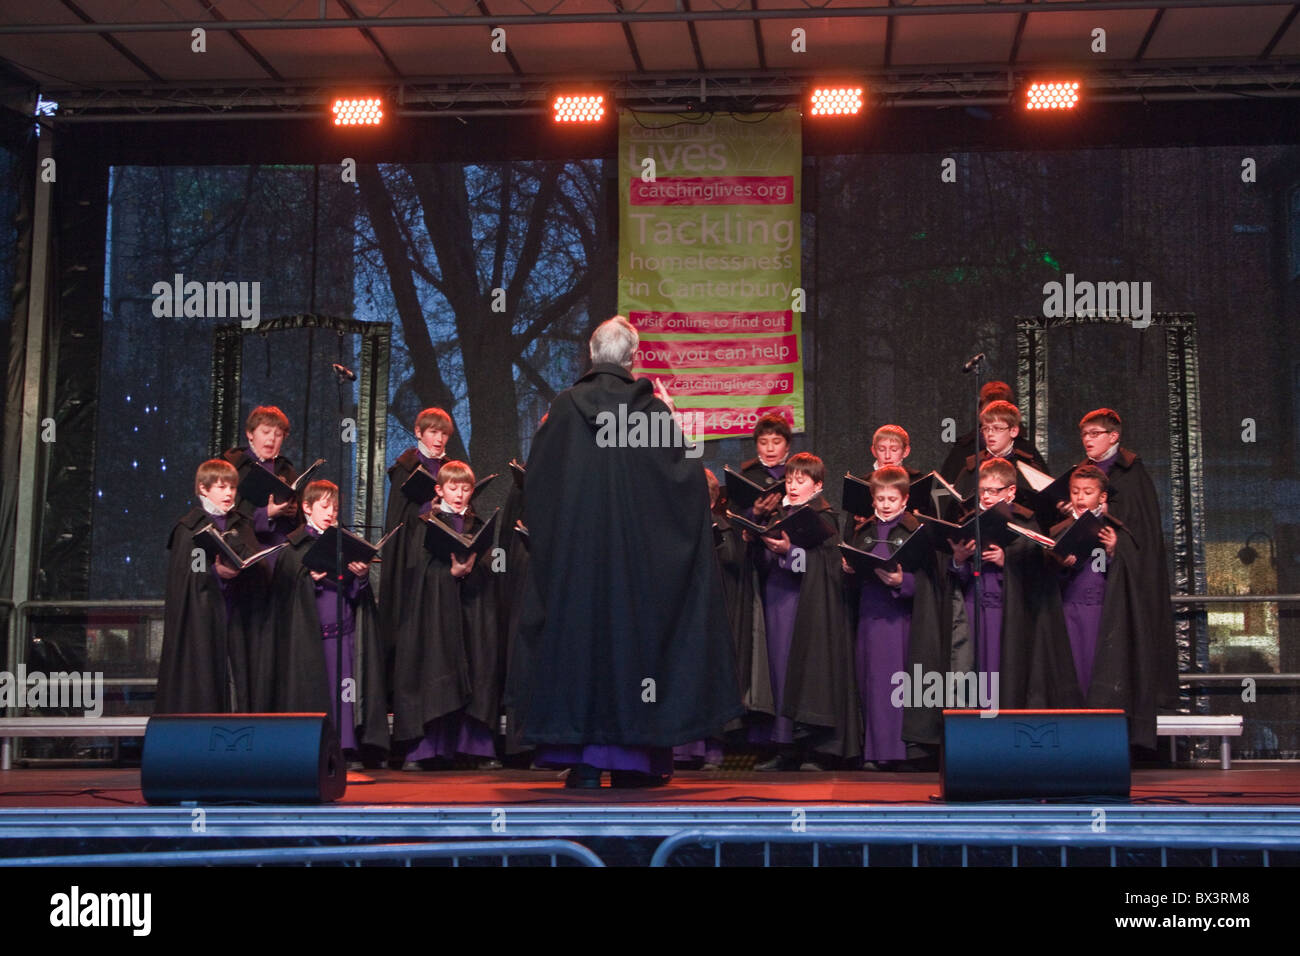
(358, 111)
(579, 109)
(1061, 95)
(836, 101)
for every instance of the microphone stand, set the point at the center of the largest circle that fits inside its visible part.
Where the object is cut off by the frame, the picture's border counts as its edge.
(977, 561)
(338, 586)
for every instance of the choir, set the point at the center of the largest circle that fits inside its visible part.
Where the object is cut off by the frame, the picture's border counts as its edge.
(830, 611)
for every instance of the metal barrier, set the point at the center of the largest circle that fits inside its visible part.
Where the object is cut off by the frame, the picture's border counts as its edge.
(995, 839)
(399, 853)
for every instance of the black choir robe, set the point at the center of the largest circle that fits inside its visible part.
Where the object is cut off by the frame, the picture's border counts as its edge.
(1031, 616)
(964, 447)
(967, 480)
(1131, 499)
(300, 683)
(283, 468)
(1121, 669)
(448, 648)
(748, 630)
(204, 666)
(926, 641)
(402, 559)
(821, 693)
(510, 600)
(623, 586)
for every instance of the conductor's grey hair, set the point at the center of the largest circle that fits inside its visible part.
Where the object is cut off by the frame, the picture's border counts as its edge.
(614, 342)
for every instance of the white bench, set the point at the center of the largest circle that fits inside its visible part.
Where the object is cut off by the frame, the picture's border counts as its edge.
(11, 727)
(1201, 725)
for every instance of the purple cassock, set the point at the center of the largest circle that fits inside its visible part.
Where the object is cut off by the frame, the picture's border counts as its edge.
(332, 630)
(652, 760)
(780, 606)
(432, 466)
(708, 750)
(884, 624)
(988, 650)
(1083, 590)
(457, 732)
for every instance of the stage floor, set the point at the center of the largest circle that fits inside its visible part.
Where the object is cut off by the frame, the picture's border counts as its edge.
(1262, 784)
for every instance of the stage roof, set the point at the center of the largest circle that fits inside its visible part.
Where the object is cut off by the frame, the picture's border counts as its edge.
(130, 56)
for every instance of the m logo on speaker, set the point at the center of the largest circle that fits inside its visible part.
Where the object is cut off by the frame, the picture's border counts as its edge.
(231, 737)
(1037, 735)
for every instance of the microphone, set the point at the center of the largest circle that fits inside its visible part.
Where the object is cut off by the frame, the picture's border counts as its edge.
(345, 373)
(974, 361)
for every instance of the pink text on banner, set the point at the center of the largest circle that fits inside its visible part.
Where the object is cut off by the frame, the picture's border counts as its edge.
(716, 353)
(712, 323)
(714, 191)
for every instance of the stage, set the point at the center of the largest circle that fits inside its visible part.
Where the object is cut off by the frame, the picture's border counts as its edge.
(1248, 816)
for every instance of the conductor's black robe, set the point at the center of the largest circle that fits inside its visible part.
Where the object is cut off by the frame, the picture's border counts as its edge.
(300, 683)
(205, 654)
(623, 635)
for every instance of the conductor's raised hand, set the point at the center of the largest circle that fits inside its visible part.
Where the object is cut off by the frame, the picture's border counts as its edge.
(661, 393)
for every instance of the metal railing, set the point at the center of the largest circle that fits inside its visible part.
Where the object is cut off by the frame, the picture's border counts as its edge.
(402, 854)
(716, 839)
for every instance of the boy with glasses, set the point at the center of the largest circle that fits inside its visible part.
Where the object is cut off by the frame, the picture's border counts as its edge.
(1131, 499)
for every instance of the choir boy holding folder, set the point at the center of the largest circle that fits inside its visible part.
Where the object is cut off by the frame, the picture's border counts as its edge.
(308, 627)
(893, 601)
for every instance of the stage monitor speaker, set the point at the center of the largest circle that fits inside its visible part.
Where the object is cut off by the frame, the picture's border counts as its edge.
(1034, 753)
(267, 758)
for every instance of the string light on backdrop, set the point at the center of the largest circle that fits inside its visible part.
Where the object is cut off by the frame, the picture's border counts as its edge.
(1054, 95)
(836, 101)
(358, 111)
(589, 108)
